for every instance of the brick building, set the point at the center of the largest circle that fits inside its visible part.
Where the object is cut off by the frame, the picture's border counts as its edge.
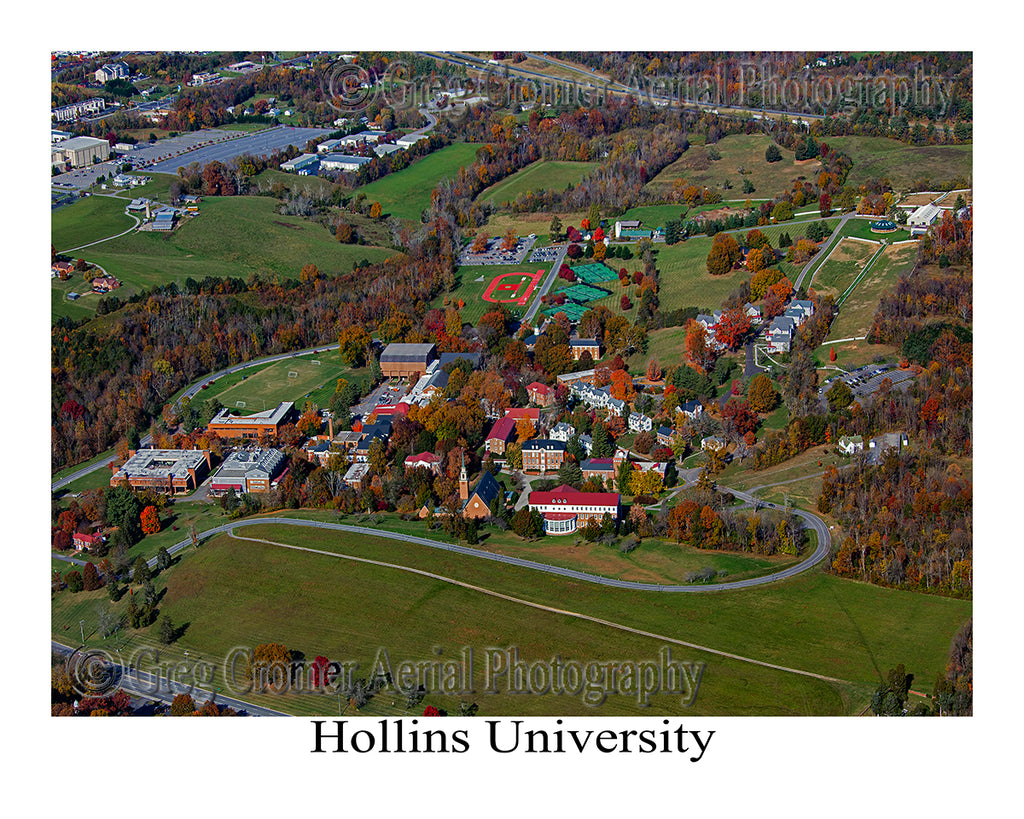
(402, 360)
(250, 427)
(542, 455)
(566, 510)
(171, 471)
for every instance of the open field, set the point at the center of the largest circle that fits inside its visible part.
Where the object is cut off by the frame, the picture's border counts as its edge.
(538, 176)
(846, 261)
(526, 223)
(296, 184)
(233, 593)
(858, 311)
(87, 220)
(406, 194)
(744, 151)
(903, 165)
(231, 236)
(268, 386)
(853, 354)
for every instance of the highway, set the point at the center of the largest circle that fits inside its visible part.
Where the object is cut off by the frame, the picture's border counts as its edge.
(160, 687)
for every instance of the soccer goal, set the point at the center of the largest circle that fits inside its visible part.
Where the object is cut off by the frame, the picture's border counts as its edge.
(292, 374)
(315, 362)
(240, 404)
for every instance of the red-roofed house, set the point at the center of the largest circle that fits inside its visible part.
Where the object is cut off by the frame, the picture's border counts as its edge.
(104, 284)
(81, 540)
(425, 460)
(541, 394)
(501, 434)
(566, 510)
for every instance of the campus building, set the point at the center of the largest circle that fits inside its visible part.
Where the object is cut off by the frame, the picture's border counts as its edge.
(566, 510)
(402, 360)
(248, 471)
(543, 455)
(171, 471)
(267, 424)
(80, 152)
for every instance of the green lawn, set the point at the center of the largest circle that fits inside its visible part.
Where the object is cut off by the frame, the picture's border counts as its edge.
(231, 236)
(858, 311)
(239, 593)
(471, 291)
(406, 194)
(738, 151)
(540, 175)
(842, 267)
(901, 164)
(266, 387)
(87, 220)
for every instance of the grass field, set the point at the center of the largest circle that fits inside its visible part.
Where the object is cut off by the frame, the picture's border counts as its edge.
(526, 223)
(744, 151)
(903, 165)
(858, 311)
(232, 236)
(406, 193)
(231, 593)
(838, 272)
(471, 291)
(538, 176)
(267, 387)
(87, 220)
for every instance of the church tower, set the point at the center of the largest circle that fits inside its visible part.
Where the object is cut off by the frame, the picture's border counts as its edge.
(463, 480)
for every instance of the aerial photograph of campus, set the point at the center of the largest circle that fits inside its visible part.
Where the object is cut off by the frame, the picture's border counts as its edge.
(397, 384)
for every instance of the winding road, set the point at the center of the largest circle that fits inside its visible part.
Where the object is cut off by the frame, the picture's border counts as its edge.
(815, 523)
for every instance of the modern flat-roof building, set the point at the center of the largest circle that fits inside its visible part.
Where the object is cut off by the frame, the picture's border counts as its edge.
(402, 360)
(248, 471)
(172, 471)
(251, 427)
(80, 152)
(342, 162)
(300, 162)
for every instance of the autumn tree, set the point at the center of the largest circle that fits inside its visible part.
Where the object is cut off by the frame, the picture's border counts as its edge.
(724, 253)
(375, 210)
(269, 667)
(525, 428)
(698, 353)
(732, 327)
(353, 341)
(480, 242)
(761, 395)
(90, 577)
(150, 520)
(509, 240)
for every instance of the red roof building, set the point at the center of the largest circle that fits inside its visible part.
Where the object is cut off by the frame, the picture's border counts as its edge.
(81, 540)
(533, 413)
(425, 460)
(566, 510)
(501, 435)
(541, 394)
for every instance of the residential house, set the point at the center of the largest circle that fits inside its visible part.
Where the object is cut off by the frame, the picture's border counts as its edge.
(665, 436)
(85, 542)
(104, 284)
(691, 409)
(753, 312)
(849, 444)
(638, 422)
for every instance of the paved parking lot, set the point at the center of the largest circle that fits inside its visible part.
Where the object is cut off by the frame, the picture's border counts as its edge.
(546, 254)
(865, 381)
(495, 255)
(263, 143)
